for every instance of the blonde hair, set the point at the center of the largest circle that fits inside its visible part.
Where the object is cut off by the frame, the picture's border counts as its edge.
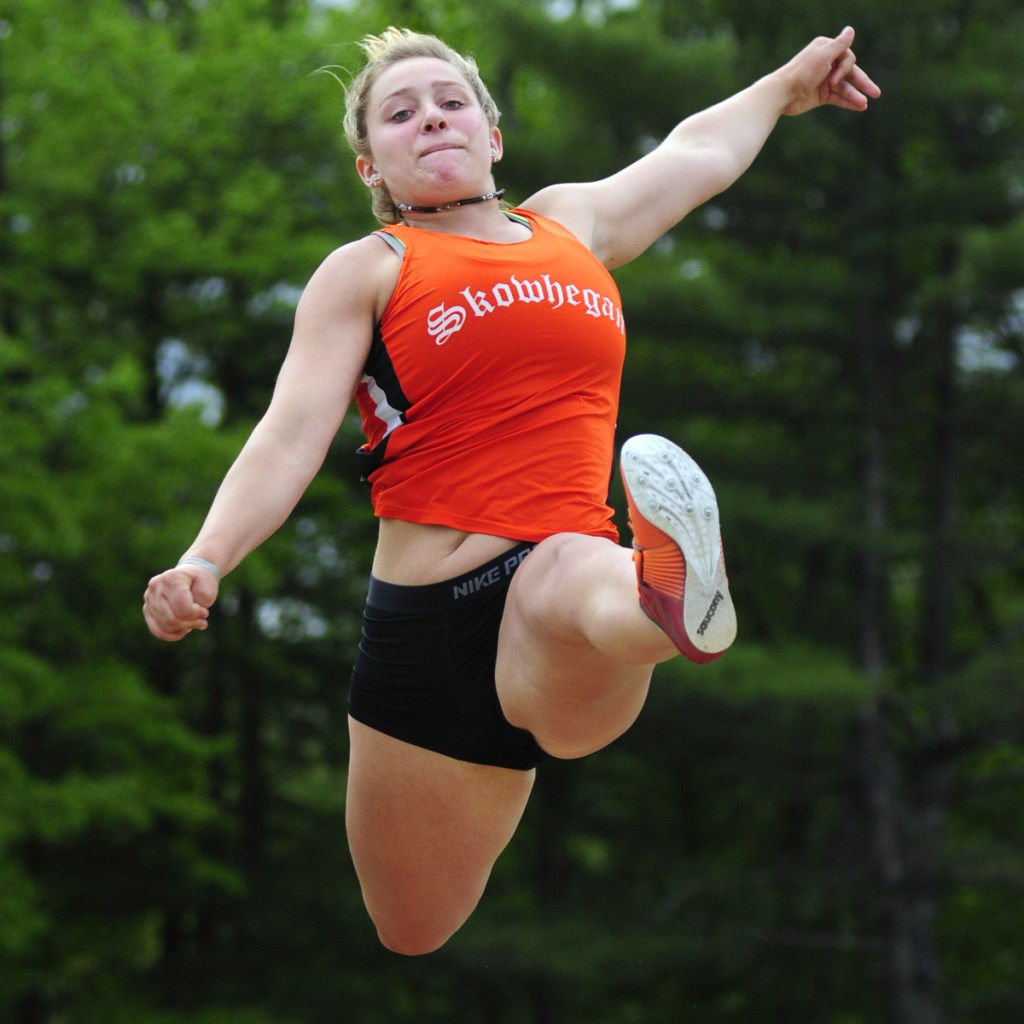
(382, 52)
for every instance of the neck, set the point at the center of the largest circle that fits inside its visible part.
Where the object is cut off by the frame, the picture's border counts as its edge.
(406, 208)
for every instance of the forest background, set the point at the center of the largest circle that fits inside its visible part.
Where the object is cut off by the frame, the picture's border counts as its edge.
(827, 827)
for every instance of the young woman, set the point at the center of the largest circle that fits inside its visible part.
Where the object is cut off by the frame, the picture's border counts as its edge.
(483, 346)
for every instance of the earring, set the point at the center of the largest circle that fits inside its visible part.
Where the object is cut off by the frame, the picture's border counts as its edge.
(374, 181)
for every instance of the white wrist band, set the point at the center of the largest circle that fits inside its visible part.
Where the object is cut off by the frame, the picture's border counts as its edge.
(195, 560)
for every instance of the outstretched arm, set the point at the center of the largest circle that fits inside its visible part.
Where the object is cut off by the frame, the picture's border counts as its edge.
(621, 216)
(333, 327)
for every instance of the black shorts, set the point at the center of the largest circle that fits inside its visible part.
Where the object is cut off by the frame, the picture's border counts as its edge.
(424, 672)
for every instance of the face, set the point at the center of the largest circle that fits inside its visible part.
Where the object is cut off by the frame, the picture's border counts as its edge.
(429, 138)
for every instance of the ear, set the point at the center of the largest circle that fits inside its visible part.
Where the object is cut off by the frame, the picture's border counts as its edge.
(497, 148)
(371, 177)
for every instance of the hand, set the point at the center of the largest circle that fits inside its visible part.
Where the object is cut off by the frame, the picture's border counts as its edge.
(826, 72)
(178, 601)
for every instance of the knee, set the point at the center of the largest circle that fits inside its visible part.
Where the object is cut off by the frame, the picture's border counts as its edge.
(411, 942)
(415, 931)
(546, 575)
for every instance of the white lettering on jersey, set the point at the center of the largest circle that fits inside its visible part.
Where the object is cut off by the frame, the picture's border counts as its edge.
(443, 321)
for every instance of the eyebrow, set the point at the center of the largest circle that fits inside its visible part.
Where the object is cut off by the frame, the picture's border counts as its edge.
(442, 83)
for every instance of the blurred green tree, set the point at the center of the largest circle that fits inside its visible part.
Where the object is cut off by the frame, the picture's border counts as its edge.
(839, 339)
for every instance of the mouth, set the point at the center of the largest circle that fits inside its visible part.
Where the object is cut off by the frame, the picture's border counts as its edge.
(438, 148)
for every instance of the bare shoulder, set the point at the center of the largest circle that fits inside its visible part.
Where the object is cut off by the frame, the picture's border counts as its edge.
(571, 205)
(337, 311)
(590, 211)
(332, 334)
(358, 277)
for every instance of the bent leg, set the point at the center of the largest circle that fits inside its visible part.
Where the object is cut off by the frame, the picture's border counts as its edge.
(424, 831)
(576, 651)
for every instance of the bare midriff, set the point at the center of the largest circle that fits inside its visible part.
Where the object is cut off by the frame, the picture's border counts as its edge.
(412, 554)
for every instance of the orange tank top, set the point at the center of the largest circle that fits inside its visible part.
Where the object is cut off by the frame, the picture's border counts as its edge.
(490, 393)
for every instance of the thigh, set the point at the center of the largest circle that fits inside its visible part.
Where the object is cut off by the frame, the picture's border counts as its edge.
(575, 651)
(425, 830)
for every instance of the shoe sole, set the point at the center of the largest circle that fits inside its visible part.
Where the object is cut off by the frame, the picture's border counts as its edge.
(673, 493)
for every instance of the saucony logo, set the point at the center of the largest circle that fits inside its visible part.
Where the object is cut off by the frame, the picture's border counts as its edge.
(719, 598)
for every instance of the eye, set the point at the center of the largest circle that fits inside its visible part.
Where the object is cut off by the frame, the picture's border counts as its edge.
(453, 104)
(400, 115)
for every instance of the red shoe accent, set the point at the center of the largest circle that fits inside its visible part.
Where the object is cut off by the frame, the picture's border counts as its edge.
(677, 545)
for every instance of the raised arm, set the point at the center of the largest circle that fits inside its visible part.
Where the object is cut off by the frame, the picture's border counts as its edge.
(333, 329)
(619, 217)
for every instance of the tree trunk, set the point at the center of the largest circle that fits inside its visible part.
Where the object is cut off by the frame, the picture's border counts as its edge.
(902, 839)
(940, 569)
(254, 789)
(905, 826)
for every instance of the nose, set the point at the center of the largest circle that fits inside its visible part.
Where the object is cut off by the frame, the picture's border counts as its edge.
(434, 120)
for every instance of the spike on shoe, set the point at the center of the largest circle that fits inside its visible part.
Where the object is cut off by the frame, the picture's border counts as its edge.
(677, 547)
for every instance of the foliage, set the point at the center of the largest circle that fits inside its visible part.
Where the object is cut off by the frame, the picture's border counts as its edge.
(839, 338)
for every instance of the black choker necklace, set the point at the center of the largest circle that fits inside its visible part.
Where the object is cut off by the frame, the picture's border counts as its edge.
(406, 208)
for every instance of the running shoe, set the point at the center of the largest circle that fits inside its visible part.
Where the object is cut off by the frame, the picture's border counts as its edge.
(677, 547)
